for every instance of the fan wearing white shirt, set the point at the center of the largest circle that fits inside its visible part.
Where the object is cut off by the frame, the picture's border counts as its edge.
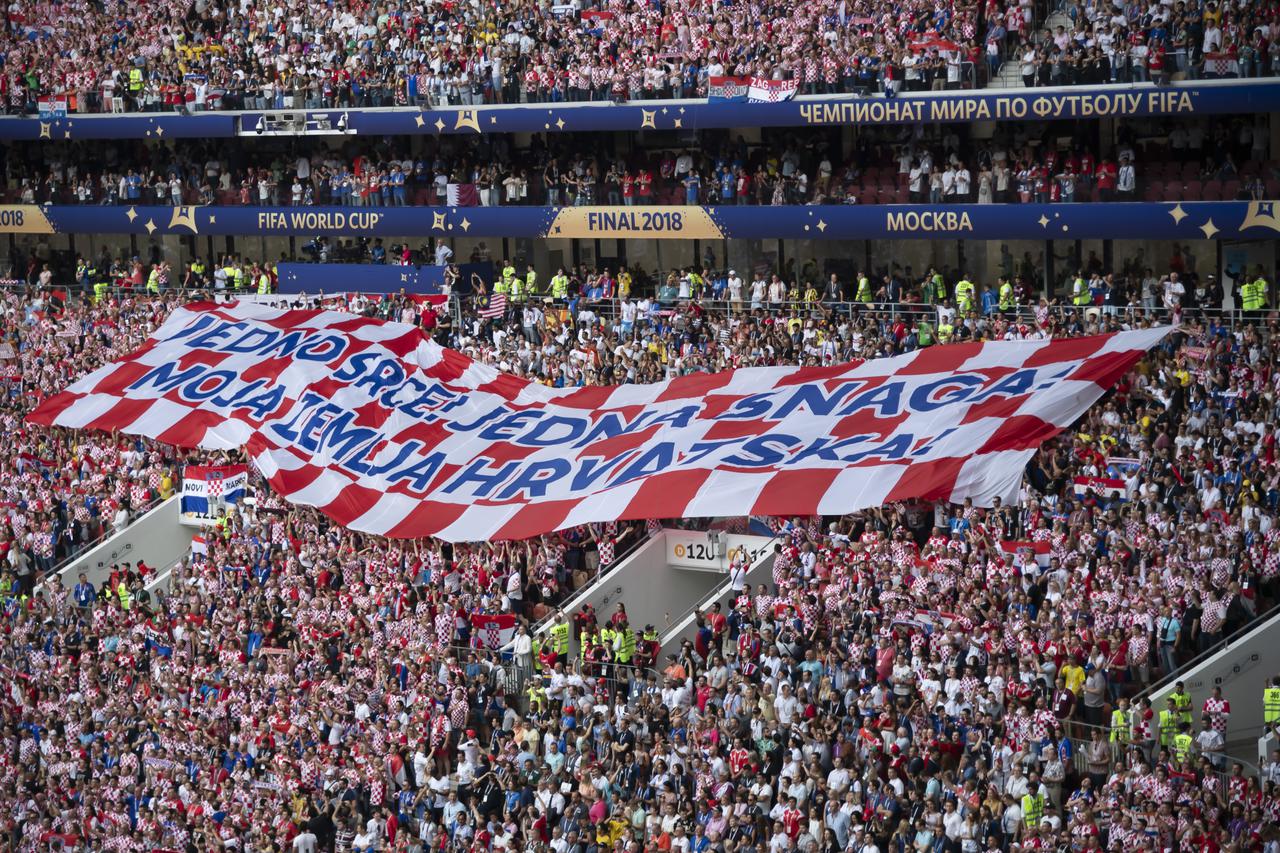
(963, 183)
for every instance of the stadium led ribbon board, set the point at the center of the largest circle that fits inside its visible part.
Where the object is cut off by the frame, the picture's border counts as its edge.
(1061, 103)
(1207, 220)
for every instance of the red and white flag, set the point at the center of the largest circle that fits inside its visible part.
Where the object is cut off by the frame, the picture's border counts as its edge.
(388, 433)
(462, 195)
(1103, 487)
(771, 91)
(1025, 552)
(1221, 64)
(493, 630)
(493, 305)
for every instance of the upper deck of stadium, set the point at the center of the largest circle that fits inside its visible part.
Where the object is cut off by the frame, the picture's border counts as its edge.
(442, 64)
(211, 54)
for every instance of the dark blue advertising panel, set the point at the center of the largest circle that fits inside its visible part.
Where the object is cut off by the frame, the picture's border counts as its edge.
(372, 278)
(1057, 103)
(1205, 220)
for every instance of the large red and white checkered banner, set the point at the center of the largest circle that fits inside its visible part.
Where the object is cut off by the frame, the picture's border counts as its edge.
(386, 432)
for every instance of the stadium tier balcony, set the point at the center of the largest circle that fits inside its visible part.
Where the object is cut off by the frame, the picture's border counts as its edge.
(151, 56)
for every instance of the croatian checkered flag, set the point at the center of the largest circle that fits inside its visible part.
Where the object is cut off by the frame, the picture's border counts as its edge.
(493, 630)
(387, 432)
(214, 484)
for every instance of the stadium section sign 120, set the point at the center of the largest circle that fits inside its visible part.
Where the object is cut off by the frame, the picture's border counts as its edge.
(386, 432)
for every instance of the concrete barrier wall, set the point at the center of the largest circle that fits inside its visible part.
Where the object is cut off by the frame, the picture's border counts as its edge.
(1240, 670)
(157, 539)
(761, 571)
(652, 588)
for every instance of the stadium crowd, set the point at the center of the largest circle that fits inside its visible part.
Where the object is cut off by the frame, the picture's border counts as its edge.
(1134, 42)
(60, 492)
(1189, 161)
(220, 55)
(905, 683)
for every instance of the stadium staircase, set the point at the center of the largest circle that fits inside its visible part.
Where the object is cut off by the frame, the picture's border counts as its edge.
(1010, 75)
(157, 538)
(685, 626)
(1240, 665)
(656, 584)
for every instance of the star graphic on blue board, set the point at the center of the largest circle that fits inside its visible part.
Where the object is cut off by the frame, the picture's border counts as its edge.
(184, 215)
(1178, 214)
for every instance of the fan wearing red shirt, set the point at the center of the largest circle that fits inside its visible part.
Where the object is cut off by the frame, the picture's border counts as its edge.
(393, 826)
(1107, 174)
(645, 185)
(791, 819)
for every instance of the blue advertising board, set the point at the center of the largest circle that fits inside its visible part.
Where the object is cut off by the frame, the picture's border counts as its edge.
(1073, 103)
(373, 278)
(1205, 220)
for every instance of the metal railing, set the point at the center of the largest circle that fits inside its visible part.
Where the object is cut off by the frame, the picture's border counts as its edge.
(81, 549)
(610, 309)
(599, 576)
(1120, 755)
(705, 604)
(1221, 645)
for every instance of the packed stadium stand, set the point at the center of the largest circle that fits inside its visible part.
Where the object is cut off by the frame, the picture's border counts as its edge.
(1056, 671)
(209, 56)
(1169, 160)
(156, 56)
(255, 702)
